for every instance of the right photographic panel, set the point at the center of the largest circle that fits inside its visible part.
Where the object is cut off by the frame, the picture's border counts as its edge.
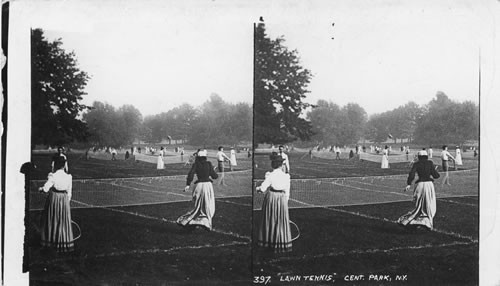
(367, 144)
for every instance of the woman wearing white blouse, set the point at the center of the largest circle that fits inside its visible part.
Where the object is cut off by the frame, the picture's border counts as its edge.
(385, 159)
(56, 215)
(274, 230)
(159, 163)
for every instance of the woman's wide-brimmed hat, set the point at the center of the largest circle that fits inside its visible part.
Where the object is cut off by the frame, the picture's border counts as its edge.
(202, 153)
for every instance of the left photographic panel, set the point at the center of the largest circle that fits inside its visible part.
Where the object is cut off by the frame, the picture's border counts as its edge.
(141, 131)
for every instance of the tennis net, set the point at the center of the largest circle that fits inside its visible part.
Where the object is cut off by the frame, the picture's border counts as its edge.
(140, 191)
(324, 192)
(399, 158)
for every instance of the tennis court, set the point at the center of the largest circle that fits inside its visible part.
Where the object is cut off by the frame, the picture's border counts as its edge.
(347, 231)
(129, 235)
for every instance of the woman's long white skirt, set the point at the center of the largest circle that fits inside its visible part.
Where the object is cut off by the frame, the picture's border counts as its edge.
(204, 207)
(274, 231)
(424, 198)
(233, 160)
(458, 159)
(385, 162)
(160, 164)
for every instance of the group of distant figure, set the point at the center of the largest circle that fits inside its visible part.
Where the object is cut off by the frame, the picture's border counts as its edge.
(56, 223)
(274, 230)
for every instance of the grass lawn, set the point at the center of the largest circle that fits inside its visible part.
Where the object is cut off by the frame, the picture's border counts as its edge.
(346, 212)
(346, 223)
(141, 244)
(364, 240)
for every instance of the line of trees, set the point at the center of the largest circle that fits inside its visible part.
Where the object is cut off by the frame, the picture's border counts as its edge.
(334, 125)
(279, 113)
(447, 121)
(108, 126)
(399, 123)
(441, 121)
(59, 117)
(212, 123)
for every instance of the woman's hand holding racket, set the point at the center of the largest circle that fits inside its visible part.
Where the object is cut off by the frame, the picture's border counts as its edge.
(186, 189)
(407, 188)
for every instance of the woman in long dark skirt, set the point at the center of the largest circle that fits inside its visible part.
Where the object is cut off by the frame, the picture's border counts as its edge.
(56, 229)
(424, 195)
(274, 230)
(203, 193)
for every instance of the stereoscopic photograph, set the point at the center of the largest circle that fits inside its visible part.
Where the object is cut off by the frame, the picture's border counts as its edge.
(249, 142)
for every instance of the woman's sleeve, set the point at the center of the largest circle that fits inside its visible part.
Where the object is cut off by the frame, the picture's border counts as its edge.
(266, 184)
(287, 188)
(190, 175)
(212, 173)
(70, 187)
(50, 182)
(411, 175)
(434, 172)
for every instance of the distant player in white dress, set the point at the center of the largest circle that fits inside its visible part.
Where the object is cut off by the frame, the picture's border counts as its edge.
(232, 158)
(458, 157)
(385, 159)
(160, 164)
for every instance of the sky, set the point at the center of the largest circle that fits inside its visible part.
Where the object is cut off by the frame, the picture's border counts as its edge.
(157, 55)
(386, 53)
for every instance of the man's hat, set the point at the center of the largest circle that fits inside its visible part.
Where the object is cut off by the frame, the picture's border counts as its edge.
(422, 153)
(276, 158)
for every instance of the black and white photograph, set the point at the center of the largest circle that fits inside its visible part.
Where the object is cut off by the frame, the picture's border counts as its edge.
(367, 147)
(217, 142)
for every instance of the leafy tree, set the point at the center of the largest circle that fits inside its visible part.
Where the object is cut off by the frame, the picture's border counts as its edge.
(355, 122)
(156, 125)
(213, 123)
(377, 127)
(219, 122)
(333, 125)
(145, 133)
(280, 84)
(102, 122)
(180, 121)
(108, 126)
(129, 123)
(325, 117)
(402, 121)
(446, 121)
(240, 126)
(56, 91)
(208, 126)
